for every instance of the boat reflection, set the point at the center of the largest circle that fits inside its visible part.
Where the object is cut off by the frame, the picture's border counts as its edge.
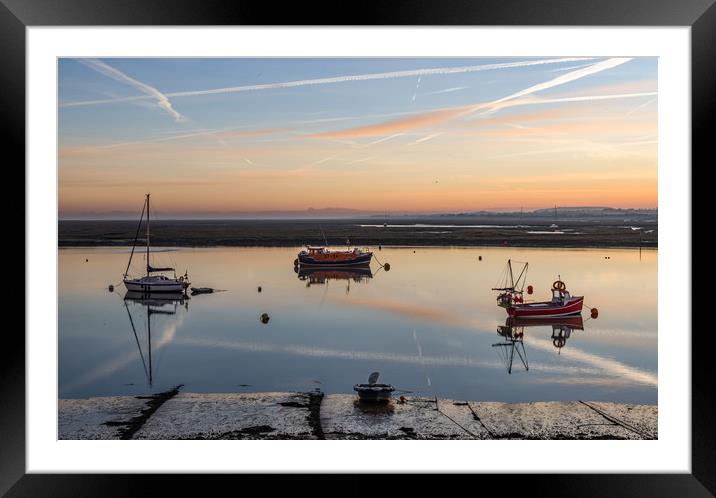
(153, 304)
(513, 331)
(320, 276)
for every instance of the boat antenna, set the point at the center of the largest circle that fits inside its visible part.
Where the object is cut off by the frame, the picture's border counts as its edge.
(324, 235)
(136, 236)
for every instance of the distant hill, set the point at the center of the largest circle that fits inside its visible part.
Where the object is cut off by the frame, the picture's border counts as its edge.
(565, 212)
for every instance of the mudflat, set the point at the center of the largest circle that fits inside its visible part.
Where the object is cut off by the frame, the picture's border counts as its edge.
(403, 231)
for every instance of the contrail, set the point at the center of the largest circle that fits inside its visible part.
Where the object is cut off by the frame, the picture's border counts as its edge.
(569, 68)
(447, 90)
(415, 93)
(385, 139)
(150, 91)
(559, 80)
(426, 138)
(336, 79)
(648, 102)
(585, 98)
(439, 116)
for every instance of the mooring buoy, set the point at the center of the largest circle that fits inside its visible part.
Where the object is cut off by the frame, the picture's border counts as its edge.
(264, 318)
(111, 288)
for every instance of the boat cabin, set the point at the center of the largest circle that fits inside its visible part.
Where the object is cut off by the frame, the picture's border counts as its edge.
(560, 296)
(312, 250)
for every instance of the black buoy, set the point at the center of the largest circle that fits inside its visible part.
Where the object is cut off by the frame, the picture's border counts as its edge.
(259, 288)
(86, 260)
(386, 267)
(479, 258)
(111, 288)
(264, 318)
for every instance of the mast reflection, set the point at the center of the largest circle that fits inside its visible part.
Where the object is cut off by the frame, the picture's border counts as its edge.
(154, 304)
(513, 332)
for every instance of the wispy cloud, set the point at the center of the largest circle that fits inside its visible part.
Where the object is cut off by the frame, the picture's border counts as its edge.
(440, 116)
(161, 99)
(336, 79)
(392, 127)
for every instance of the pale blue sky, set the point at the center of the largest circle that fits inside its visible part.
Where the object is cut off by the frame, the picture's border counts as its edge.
(98, 129)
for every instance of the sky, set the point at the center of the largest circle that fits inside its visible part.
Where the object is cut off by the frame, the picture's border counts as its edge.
(224, 137)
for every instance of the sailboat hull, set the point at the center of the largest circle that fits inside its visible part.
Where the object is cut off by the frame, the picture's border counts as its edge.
(151, 286)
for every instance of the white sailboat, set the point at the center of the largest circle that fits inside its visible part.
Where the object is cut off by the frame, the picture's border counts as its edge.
(149, 282)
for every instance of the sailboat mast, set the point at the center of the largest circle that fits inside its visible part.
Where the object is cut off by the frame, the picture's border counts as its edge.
(147, 234)
(149, 338)
(512, 277)
(136, 237)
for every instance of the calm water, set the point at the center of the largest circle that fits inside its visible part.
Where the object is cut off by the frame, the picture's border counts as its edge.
(429, 325)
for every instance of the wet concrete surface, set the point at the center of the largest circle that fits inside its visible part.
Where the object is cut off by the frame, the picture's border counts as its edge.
(313, 415)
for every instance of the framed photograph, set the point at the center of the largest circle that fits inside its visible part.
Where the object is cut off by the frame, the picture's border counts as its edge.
(447, 238)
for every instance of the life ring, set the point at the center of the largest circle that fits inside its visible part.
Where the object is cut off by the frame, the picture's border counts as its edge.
(559, 285)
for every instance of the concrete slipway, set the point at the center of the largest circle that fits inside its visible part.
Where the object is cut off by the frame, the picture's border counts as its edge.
(313, 415)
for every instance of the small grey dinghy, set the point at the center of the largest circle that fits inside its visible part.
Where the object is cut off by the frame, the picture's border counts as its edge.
(373, 392)
(201, 290)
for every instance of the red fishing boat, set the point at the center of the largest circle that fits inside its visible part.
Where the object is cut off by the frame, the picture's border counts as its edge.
(562, 304)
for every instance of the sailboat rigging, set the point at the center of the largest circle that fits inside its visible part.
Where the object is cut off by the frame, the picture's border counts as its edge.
(514, 340)
(511, 288)
(152, 283)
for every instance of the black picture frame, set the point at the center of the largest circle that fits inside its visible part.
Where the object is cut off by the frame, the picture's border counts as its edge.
(16, 15)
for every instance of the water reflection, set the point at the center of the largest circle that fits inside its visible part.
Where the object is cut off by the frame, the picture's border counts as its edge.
(513, 331)
(153, 304)
(318, 331)
(320, 276)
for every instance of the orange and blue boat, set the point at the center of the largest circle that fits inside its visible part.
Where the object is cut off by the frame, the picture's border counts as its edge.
(314, 256)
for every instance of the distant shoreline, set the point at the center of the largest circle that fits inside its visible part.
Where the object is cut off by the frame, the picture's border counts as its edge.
(589, 232)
